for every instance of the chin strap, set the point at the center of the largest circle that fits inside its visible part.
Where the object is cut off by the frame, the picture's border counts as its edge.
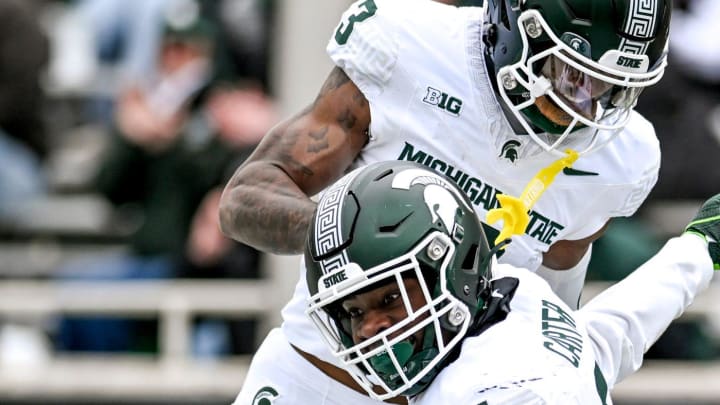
(497, 307)
(513, 211)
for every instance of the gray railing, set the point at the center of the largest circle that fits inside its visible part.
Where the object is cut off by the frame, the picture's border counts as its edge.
(174, 372)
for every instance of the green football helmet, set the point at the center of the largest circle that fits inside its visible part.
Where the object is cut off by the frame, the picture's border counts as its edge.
(384, 223)
(562, 65)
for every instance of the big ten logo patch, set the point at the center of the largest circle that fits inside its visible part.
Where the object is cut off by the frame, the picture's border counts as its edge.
(442, 100)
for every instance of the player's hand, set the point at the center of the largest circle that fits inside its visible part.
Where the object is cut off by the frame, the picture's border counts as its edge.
(707, 224)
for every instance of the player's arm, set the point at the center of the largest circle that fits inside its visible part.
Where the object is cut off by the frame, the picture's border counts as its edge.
(626, 319)
(566, 254)
(565, 264)
(266, 203)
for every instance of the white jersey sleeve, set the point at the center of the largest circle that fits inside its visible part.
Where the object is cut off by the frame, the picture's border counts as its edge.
(626, 319)
(363, 44)
(643, 151)
(368, 41)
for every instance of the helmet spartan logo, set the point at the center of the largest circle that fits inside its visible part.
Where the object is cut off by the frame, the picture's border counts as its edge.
(575, 44)
(441, 198)
(441, 204)
(509, 150)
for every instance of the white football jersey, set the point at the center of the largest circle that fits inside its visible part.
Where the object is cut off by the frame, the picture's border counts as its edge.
(542, 334)
(572, 357)
(420, 65)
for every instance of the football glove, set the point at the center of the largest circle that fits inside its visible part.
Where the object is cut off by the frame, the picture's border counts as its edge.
(707, 224)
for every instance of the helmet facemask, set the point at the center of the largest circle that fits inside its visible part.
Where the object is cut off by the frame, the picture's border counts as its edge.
(397, 360)
(571, 90)
(400, 226)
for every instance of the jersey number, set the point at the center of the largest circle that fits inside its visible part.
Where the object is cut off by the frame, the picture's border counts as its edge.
(366, 10)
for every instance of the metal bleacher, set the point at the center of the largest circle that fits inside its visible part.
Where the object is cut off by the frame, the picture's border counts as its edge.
(172, 373)
(70, 226)
(62, 229)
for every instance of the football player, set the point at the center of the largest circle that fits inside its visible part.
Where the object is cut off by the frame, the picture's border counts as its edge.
(492, 97)
(407, 293)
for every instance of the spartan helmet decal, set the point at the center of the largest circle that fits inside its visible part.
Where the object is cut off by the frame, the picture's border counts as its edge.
(441, 204)
(440, 196)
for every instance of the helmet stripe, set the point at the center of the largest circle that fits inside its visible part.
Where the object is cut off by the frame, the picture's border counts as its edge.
(328, 226)
(640, 22)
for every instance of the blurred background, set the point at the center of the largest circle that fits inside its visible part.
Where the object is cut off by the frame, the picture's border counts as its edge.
(121, 120)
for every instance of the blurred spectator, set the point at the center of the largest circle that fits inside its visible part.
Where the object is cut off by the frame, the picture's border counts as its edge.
(120, 39)
(244, 36)
(176, 139)
(126, 34)
(23, 141)
(694, 34)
